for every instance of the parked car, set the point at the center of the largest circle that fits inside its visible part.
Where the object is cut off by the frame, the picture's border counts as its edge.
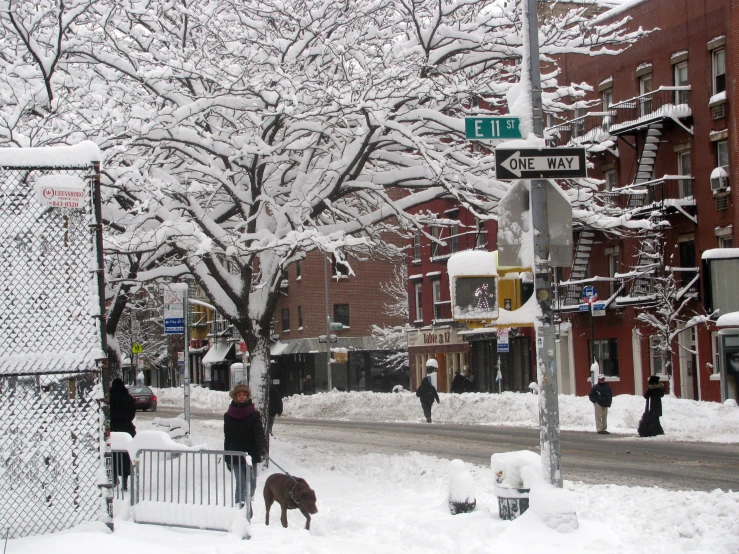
(143, 397)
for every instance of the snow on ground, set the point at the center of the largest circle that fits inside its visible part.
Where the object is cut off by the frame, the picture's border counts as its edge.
(398, 504)
(682, 419)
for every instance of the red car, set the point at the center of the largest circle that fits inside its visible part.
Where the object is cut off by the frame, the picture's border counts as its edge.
(143, 397)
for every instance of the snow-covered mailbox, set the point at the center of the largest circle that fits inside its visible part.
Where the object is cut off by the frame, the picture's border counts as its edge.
(721, 266)
(52, 472)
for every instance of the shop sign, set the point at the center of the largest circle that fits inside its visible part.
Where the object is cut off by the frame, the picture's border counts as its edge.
(434, 337)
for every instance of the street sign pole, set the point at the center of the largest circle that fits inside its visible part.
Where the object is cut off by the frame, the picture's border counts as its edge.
(186, 335)
(328, 325)
(545, 341)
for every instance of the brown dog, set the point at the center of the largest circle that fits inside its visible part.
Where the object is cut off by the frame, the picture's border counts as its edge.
(291, 493)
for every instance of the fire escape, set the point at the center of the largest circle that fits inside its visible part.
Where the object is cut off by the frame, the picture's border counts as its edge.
(639, 122)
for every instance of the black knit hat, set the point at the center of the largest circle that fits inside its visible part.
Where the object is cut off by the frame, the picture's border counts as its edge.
(653, 380)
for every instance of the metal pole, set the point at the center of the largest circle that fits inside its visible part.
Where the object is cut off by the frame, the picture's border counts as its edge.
(328, 325)
(592, 339)
(545, 346)
(186, 334)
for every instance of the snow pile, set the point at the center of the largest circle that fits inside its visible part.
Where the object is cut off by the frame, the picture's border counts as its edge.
(554, 506)
(175, 427)
(147, 440)
(461, 488)
(682, 419)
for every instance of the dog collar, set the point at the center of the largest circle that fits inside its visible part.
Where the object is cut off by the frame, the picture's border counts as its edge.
(292, 496)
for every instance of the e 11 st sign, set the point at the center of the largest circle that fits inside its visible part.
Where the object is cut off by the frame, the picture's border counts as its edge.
(486, 128)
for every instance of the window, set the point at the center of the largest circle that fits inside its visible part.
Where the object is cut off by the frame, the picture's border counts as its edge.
(417, 247)
(300, 317)
(683, 168)
(341, 314)
(606, 354)
(298, 271)
(340, 269)
(719, 70)
(607, 98)
(725, 242)
(687, 260)
(419, 303)
(715, 346)
(655, 355)
(435, 246)
(645, 87)
(481, 237)
(285, 319)
(612, 257)
(722, 153)
(453, 239)
(579, 129)
(437, 299)
(609, 177)
(681, 80)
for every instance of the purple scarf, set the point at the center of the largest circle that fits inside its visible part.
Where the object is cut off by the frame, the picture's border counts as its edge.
(240, 411)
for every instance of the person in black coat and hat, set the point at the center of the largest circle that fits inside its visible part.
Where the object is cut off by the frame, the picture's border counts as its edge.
(460, 383)
(426, 391)
(122, 413)
(275, 407)
(650, 426)
(243, 432)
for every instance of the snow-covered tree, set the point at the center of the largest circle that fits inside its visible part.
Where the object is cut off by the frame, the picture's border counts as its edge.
(393, 337)
(674, 306)
(239, 135)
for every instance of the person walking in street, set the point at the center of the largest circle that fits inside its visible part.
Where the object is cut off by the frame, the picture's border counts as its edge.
(275, 407)
(243, 432)
(650, 426)
(426, 391)
(122, 414)
(601, 397)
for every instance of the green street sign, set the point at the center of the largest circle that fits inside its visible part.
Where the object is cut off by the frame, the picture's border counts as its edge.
(137, 348)
(486, 128)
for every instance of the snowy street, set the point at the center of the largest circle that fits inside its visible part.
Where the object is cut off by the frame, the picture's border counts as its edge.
(586, 457)
(380, 502)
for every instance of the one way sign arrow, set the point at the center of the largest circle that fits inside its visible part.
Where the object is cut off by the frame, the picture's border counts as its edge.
(545, 163)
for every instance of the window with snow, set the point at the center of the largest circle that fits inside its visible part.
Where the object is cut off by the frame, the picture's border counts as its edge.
(681, 80)
(612, 256)
(579, 128)
(645, 87)
(300, 316)
(683, 168)
(419, 302)
(435, 246)
(341, 314)
(340, 269)
(606, 354)
(607, 99)
(719, 70)
(285, 319)
(437, 299)
(417, 247)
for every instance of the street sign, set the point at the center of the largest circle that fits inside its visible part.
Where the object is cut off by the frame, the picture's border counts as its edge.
(174, 313)
(137, 348)
(322, 338)
(335, 326)
(482, 128)
(503, 344)
(181, 359)
(136, 326)
(544, 163)
(589, 292)
(599, 309)
(583, 307)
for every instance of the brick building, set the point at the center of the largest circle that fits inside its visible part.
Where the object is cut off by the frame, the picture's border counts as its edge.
(661, 134)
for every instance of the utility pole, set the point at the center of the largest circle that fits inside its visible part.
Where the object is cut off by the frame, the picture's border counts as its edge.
(186, 335)
(328, 326)
(545, 333)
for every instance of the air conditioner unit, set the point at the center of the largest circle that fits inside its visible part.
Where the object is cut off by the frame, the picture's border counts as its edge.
(719, 179)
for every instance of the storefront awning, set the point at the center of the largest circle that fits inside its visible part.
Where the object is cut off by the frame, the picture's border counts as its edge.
(219, 352)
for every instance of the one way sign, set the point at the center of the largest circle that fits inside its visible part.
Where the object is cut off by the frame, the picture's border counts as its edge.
(545, 163)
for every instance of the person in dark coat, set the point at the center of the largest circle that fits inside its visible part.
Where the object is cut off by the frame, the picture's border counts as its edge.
(385, 384)
(275, 407)
(122, 413)
(426, 392)
(650, 426)
(460, 383)
(243, 432)
(308, 384)
(601, 397)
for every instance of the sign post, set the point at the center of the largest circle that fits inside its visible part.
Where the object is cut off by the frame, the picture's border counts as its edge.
(590, 295)
(176, 322)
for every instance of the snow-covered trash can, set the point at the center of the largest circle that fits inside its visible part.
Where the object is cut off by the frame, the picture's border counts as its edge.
(461, 488)
(514, 473)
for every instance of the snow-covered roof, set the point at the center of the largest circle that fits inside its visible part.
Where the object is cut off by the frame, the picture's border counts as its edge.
(80, 155)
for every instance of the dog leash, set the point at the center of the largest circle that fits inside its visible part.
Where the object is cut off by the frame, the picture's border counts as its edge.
(283, 471)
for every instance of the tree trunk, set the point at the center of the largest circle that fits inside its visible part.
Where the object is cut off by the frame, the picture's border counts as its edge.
(259, 381)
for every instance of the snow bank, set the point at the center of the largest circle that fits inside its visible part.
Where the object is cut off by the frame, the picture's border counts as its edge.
(682, 419)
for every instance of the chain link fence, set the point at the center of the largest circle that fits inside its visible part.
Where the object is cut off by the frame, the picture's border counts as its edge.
(51, 346)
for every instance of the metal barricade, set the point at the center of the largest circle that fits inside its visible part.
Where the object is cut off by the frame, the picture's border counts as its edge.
(194, 489)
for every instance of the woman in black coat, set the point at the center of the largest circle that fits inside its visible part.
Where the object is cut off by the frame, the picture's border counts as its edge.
(243, 432)
(650, 426)
(122, 414)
